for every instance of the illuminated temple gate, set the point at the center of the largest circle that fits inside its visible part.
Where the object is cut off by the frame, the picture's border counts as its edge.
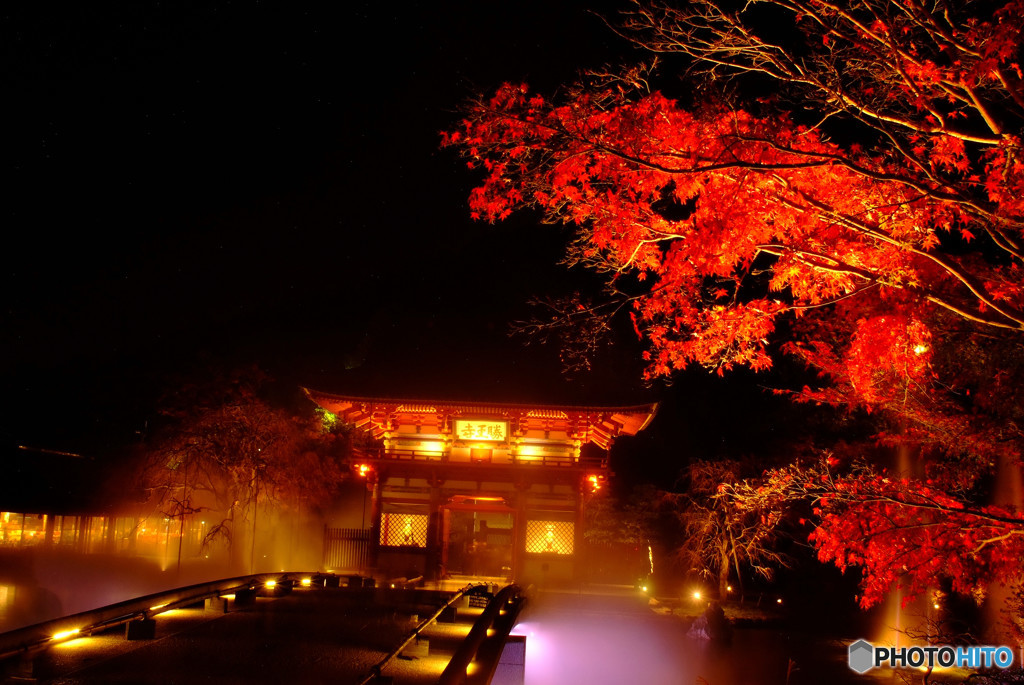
(486, 489)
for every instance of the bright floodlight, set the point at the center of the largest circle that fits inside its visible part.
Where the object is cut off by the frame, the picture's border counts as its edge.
(66, 633)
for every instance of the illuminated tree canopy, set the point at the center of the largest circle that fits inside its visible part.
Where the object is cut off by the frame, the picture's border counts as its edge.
(862, 211)
(899, 531)
(723, 533)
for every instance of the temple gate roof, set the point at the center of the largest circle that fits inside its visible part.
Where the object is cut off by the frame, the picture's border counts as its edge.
(599, 425)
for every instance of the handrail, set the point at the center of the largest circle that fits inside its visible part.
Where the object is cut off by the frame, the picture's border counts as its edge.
(455, 672)
(545, 460)
(31, 640)
(375, 672)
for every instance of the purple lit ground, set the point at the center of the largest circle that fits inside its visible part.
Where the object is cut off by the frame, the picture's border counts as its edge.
(610, 636)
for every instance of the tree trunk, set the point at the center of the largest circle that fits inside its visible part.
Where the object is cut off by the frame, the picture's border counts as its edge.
(723, 571)
(736, 562)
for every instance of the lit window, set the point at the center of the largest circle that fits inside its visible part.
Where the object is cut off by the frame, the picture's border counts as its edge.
(403, 530)
(549, 537)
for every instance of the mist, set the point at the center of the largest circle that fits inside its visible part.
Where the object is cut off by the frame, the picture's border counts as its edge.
(54, 578)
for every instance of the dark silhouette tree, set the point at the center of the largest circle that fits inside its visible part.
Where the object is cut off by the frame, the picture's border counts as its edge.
(225, 448)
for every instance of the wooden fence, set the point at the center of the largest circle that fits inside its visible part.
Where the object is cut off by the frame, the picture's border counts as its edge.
(346, 549)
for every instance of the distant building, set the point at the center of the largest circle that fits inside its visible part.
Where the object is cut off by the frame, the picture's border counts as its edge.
(62, 493)
(480, 489)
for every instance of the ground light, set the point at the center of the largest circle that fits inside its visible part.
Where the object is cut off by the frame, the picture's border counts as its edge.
(162, 610)
(306, 582)
(77, 643)
(64, 634)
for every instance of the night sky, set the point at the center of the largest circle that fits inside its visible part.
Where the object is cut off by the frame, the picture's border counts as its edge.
(194, 185)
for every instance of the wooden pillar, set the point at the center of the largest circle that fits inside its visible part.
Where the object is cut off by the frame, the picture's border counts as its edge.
(82, 533)
(519, 533)
(435, 531)
(110, 536)
(375, 511)
(578, 560)
(48, 535)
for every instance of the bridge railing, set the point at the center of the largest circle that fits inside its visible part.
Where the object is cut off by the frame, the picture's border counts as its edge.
(524, 461)
(375, 672)
(486, 639)
(31, 640)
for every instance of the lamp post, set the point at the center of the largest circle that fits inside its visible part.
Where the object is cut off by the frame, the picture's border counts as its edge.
(364, 471)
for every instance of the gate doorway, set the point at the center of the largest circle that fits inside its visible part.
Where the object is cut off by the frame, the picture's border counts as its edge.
(477, 541)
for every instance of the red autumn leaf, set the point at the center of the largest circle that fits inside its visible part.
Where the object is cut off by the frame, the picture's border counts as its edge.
(893, 267)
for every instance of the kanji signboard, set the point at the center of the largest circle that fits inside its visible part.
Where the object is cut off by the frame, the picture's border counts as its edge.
(490, 431)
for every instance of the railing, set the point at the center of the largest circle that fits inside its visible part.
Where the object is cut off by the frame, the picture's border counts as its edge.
(375, 672)
(541, 460)
(31, 640)
(482, 645)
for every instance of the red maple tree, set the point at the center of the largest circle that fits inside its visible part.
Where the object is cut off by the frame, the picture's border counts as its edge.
(871, 207)
(900, 532)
